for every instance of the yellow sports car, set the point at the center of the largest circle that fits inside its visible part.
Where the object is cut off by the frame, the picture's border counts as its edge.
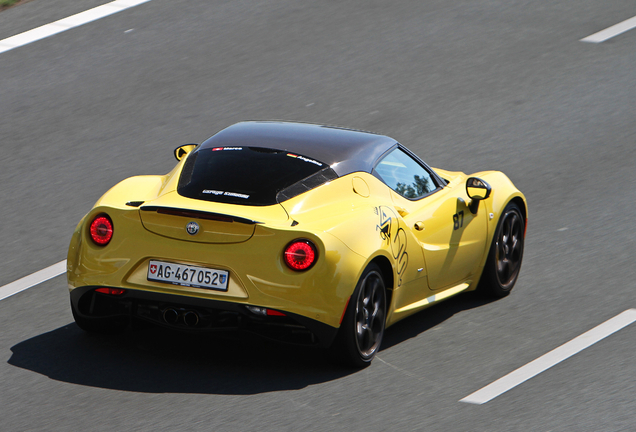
(308, 233)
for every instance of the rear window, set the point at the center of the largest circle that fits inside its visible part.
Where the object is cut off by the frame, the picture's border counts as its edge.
(249, 175)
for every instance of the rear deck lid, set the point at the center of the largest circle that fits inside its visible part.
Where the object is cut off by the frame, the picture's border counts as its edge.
(185, 219)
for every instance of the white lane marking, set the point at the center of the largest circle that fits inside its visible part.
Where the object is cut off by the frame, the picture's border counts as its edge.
(552, 358)
(612, 31)
(67, 23)
(32, 280)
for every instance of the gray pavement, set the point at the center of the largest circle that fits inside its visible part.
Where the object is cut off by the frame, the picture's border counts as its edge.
(468, 85)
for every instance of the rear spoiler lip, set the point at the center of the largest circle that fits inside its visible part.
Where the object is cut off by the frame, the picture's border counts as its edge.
(199, 214)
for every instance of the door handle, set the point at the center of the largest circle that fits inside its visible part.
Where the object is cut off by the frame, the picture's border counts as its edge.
(419, 225)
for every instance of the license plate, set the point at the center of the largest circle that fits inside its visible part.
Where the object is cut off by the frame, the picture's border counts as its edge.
(187, 275)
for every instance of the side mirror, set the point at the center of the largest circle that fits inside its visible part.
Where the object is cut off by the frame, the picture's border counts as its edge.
(477, 190)
(181, 151)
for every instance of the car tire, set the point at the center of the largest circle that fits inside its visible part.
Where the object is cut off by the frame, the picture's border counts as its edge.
(506, 253)
(362, 328)
(101, 325)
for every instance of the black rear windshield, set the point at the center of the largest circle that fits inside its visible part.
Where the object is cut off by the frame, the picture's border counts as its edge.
(249, 175)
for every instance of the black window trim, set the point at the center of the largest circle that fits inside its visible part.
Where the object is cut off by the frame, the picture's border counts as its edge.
(440, 183)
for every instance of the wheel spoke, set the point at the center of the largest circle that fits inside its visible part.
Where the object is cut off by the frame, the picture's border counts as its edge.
(506, 229)
(501, 248)
(373, 301)
(516, 249)
(376, 316)
(502, 268)
(364, 300)
(361, 338)
(514, 221)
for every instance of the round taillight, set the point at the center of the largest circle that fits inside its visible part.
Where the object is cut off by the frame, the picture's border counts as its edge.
(101, 230)
(300, 255)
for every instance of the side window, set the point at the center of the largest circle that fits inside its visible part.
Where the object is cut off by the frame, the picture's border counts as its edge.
(404, 175)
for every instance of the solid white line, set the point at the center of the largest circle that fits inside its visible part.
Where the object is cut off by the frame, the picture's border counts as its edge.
(67, 23)
(612, 31)
(552, 358)
(32, 280)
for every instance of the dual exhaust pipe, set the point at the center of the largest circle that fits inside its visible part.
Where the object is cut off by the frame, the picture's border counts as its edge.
(173, 316)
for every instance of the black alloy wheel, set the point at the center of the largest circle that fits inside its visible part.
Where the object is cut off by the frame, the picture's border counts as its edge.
(362, 328)
(506, 253)
(509, 248)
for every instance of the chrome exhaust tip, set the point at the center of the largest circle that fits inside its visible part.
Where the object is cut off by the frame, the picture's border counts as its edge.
(170, 316)
(191, 318)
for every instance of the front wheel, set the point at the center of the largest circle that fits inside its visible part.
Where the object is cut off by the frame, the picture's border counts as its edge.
(506, 252)
(362, 328)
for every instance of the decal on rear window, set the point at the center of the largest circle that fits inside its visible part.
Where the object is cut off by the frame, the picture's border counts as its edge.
(227, 148)
(232, 194)
(302, 158)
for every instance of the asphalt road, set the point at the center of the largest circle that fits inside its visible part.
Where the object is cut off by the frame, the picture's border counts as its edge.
(468, 85)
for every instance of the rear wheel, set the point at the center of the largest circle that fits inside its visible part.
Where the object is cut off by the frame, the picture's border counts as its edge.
(362, 328)
(506, 252)
(108, 325)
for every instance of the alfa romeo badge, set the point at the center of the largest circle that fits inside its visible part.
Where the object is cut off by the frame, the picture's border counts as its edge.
(192, 228)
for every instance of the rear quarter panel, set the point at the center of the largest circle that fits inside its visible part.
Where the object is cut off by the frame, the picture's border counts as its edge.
(358, 210)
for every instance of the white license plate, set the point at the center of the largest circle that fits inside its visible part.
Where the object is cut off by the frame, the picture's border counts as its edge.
(187, 275)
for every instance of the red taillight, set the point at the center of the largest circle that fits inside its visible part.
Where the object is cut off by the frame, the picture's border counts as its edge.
(111, 291)
(300, 255)
(101, 230)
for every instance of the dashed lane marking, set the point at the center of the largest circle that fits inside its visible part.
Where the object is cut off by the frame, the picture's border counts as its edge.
(552, 358)
(67, 23)
(32, 280)
(612, 31)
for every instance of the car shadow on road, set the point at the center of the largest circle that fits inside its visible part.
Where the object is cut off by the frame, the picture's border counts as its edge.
(155, 361)
(422, 321)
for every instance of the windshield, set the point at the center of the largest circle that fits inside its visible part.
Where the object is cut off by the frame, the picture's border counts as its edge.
(247, 175)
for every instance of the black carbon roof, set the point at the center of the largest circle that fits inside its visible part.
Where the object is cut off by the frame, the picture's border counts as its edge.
(345, 150)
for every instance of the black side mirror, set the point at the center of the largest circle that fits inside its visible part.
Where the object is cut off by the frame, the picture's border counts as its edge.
(477, 190)
(181, 151)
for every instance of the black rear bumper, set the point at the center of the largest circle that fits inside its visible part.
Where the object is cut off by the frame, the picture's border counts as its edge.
(211, 315)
